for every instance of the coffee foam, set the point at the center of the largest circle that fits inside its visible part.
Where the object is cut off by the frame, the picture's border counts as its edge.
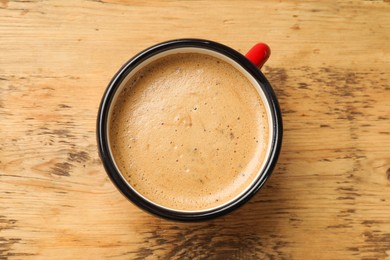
(189, 132)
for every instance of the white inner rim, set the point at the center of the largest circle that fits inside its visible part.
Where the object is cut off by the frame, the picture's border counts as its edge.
(235, 65)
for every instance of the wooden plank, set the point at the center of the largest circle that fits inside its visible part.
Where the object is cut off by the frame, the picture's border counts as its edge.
(329, 197)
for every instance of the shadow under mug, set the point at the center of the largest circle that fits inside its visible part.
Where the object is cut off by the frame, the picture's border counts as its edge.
(249, 65)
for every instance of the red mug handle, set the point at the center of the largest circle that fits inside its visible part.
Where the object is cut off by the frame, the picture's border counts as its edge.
(259, 54)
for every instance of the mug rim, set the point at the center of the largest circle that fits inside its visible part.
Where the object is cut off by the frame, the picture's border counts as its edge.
(114, 173)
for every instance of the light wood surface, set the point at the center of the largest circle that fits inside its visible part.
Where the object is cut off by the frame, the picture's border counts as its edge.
(329, 196)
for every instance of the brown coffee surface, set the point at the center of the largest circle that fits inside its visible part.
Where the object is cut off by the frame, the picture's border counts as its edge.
(189, 132)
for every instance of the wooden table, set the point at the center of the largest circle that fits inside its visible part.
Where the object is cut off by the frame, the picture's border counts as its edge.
(329, 196)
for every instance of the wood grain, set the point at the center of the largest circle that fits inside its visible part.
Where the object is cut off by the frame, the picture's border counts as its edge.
(329, 197)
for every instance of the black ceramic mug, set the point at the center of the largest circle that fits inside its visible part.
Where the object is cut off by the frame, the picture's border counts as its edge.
(249, 66)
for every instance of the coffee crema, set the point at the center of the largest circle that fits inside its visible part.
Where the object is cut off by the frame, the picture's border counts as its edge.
(189, 132)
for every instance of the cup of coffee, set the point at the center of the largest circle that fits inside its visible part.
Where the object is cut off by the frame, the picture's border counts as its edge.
(190, 129)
